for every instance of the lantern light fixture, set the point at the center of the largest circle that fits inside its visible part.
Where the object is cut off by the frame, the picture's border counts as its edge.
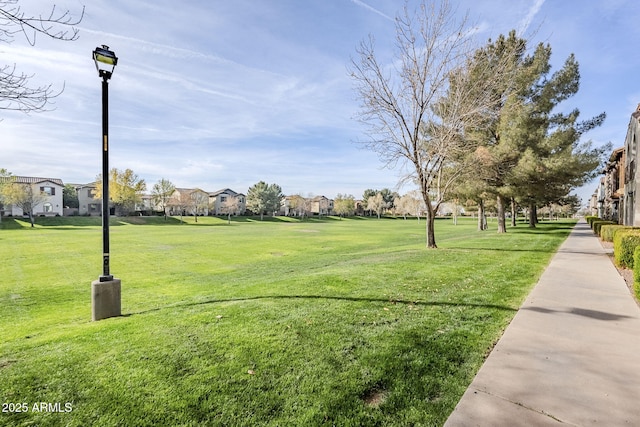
(105, 60)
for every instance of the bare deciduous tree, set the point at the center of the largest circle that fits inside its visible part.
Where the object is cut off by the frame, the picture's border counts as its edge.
(180, 202)
(376, 204)
(161, 193)
(418, 107)
(199, 202)
(24, 197)
(231, 206)
(299, 205)
(344, 205)
(15, 90)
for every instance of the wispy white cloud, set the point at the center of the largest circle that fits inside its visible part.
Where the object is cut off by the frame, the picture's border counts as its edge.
(524, 24)
(372, 9)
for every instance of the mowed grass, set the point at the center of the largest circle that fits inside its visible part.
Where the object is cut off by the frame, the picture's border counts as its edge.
(280, 323)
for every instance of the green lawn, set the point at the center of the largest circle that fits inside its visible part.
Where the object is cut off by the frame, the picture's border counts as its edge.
(282, 323)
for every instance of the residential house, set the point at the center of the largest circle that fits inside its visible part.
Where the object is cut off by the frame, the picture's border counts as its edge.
(50, 187)
(295, 205)
(613, 197)
(320, 205)
(187, 201)
(88, 204)
(146, 205)
(220, 201)
(631, 198)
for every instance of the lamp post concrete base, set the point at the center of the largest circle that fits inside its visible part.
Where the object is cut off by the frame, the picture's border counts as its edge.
(105, 299)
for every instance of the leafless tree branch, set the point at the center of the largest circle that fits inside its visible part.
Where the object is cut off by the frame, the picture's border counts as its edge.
(59, 25)
(16, 92)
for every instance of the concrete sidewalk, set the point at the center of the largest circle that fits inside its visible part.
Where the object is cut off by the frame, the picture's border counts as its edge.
(570, 356)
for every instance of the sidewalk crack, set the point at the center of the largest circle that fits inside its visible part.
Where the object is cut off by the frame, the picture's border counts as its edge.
(528, 408)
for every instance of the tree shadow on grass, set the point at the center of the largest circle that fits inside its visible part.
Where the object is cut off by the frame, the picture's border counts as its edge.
(13, 224)
(327, 297)
(544, 228)
(75, 222)
(471, 249)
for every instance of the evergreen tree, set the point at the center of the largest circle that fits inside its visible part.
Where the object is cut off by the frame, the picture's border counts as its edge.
(553, 161)
(526, 151)
(264, 198)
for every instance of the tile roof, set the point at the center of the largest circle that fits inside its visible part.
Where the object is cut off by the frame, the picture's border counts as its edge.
(31, 180)
(223, 191)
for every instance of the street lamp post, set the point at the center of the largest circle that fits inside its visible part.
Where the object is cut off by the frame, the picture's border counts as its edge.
(105, 295)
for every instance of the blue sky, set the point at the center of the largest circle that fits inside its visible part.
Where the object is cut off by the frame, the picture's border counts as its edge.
(218, 93)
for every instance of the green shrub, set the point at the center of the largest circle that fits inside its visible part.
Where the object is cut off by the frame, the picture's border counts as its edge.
(636, 272)
(607, 231)
(596, 224)
(624, 229)
(590, 219)
(624, 246)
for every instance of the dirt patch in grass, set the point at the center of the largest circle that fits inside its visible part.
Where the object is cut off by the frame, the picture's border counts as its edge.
(6, 362)
(374, 398)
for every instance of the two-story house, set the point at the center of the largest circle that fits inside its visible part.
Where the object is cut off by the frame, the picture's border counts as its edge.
(49, 191)
(225, 201)
(189, 201)
(297, 205)
(88, 204)
(320, 205)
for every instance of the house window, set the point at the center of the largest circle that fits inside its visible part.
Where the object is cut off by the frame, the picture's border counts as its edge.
(51, 191)
(47, 207)
(223, 199)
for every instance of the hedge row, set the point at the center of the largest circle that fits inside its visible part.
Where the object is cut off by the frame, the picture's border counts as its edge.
(608, 231)
(626, 245)
(590, 219)
(636, 272)
(598, 223)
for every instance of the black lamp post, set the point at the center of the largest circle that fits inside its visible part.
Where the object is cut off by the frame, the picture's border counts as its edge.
(105, 64)
(106, 290)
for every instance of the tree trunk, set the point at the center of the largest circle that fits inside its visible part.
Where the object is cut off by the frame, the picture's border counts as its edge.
(533, 215)
(513, 212)
(482, 222)
(455, 213)
(431, 230)
(502, 224)
(31, 218)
